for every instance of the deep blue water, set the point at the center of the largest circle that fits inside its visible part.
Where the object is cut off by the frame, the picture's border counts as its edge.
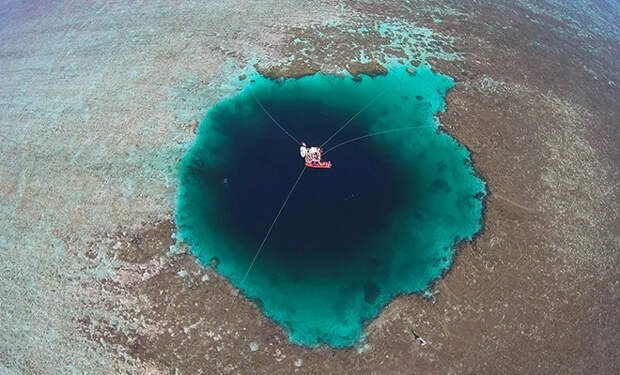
(383, 221)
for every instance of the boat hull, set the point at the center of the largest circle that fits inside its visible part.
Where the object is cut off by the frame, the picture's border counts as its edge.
(321, 165)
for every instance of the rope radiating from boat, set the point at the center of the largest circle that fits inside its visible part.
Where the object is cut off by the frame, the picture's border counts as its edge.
(375, 134)
(273, 223)
(352, 118)
(275, 122)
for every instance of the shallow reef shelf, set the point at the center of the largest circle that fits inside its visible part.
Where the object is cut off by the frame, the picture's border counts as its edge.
(383, 221)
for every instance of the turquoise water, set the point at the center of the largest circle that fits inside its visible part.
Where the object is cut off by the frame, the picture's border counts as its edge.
(382, 222)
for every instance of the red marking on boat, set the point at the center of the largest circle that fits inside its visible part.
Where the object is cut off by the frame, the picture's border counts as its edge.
(312, 157)
(322, 165)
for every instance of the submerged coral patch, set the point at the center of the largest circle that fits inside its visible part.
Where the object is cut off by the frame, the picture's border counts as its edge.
(383, 221)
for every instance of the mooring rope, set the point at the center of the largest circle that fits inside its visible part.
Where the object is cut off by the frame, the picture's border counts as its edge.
(333, 135)
(275, 122)
(273, 223)
(260, 248)
(375, 134)
(352, 118)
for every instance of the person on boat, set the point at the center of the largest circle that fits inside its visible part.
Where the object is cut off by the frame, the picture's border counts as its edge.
(303, 150)
(310, 154)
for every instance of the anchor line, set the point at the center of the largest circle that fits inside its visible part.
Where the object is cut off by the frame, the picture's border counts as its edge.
(274, 121)
(375, 134)
(273, 223)
(353, 117)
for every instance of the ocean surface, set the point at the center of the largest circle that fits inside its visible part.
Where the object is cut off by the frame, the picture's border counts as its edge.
(383, 221)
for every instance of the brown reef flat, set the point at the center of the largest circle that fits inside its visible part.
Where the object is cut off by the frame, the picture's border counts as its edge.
(371, 69)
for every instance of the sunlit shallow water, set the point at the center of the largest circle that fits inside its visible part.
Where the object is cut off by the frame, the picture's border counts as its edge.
(383, 221)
